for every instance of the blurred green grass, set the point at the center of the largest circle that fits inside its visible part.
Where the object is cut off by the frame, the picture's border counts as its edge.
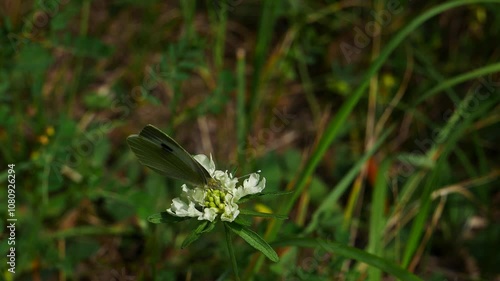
(389, 141)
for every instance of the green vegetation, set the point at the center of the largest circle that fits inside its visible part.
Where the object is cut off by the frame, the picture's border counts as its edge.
(377, 123)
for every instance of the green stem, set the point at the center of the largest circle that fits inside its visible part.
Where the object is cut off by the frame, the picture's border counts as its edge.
(240, 112)
(265, 33)
(229, 240)
(84, 26)
(447, 84)
(220, 37)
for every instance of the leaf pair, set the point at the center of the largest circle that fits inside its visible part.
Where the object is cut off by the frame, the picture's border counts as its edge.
(239, 227)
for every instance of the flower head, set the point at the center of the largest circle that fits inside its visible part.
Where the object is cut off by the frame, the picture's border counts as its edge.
(218, 198)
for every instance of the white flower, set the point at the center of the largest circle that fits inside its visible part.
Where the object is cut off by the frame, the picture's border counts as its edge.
(230, 209)
(218, 197)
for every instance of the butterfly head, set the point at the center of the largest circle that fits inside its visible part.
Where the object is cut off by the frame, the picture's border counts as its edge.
(213, 184)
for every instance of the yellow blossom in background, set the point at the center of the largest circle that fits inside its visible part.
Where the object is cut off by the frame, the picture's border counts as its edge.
(49, 131)
(34, 155)
(263, 208)
(388, 80)
(481, 14)
(43, 139)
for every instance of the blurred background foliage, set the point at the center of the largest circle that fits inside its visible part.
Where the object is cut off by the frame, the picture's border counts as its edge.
(256, 84)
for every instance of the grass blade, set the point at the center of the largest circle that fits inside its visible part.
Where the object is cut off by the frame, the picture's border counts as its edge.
(353, 253)
(377, 218)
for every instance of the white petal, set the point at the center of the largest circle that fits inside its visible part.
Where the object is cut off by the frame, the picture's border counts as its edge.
(227, 181)
(252, 185)
(177, 204)
(185, 192)
(230, 212)
(207, 163)
(180, 208)
(252, 180)
(230, 198)
(208, 214)
(239, 193)
(198, 195)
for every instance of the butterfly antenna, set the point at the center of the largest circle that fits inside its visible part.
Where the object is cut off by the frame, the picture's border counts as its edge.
(247, 175)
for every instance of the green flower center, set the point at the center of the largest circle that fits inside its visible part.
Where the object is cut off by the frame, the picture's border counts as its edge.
(215, 198)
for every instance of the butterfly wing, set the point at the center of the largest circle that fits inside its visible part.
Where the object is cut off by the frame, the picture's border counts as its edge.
(161, 153)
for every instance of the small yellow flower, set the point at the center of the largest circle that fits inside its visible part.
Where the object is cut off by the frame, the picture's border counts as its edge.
(263, 208)
(34, 155)
(43, 139)
(388, 80)
(49, 131)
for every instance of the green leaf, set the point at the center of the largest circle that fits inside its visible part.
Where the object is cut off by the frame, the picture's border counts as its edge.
(273, 193)
(83, 46)
(241, 219)
(417, 160)
(254, 240)
(95, 101)
(232, 256)
(205, 226)
(260, 214)
(377, 217)
(353, 253)
(276, 193)
(165, 217)
(33, 60)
